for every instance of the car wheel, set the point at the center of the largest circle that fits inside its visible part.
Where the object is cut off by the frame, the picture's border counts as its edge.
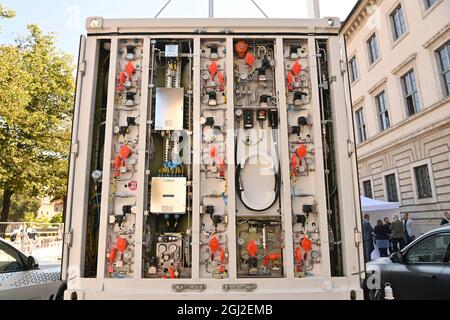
(60, 293)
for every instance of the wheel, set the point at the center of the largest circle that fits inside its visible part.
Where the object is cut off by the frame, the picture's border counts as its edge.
(60, 293)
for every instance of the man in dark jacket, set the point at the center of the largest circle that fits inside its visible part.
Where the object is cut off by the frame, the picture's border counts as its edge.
(445, 218)
(397, 234)
(367, 237)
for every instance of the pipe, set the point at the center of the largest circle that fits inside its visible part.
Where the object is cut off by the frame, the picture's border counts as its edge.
(211, 8)
(73, 156)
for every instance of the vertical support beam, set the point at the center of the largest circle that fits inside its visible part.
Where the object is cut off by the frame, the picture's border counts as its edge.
(283, 149)
(141, 203)
(196, 160)
(318, 144)
(352, 140)
(313, 9)
(345, 164)
(231, 163)
(76, 256)
(107, 158)
(211, 8)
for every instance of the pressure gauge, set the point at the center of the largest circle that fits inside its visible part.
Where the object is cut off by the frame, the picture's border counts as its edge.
(172, 248)
(96, 175)
(162, 248)
(303, 76)
(238, 113)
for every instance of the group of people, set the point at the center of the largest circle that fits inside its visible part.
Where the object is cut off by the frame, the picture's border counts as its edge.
(390, 236)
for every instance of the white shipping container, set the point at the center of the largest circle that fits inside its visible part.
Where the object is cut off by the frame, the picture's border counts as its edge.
(212, 159)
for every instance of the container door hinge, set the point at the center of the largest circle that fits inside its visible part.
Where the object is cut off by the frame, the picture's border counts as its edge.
(188, 287)
(351, 148)
(68, 236)
(358, 237)
(82, 68)
(240, 287)
(74, 149)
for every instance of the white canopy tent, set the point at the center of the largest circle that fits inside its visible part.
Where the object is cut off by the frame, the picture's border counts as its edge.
(378, 210)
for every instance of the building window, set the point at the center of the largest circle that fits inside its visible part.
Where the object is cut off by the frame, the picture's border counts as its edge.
(354, 71)
(398, 22)
(423, 182)
(383, 113)
(372, 45)
(391, 188)
(444, 59)
(361, 125)
(429, 3)
(367, 186)
(411, 93)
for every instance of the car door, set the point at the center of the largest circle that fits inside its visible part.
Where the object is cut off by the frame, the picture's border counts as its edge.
(422, 273)
(14, 276)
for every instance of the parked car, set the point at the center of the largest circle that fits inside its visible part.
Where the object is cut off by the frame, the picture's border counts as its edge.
(32, 234)
(22, 278)
(419, 271)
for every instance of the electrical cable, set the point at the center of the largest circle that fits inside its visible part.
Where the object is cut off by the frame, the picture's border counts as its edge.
(240, 190)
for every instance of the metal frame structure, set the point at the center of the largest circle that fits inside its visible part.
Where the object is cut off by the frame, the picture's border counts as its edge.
(322, 286)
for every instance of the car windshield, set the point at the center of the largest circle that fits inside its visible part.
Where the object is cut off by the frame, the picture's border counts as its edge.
(430, 250)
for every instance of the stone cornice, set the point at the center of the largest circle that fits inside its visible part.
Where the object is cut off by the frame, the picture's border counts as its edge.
(436, 36)
(358, 17)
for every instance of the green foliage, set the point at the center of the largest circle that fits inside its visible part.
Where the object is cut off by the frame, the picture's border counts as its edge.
(21, 205)
(42, 221)
(58, 218)
(36, 99)
(6, 13)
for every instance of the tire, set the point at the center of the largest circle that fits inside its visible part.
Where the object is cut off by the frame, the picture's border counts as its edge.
(60, 293)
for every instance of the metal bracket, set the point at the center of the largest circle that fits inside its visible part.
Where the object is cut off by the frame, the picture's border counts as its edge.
(188, 287)
(239, 287)
(68, 236)
(358, 237)
(74, 149)
(82, 67)
(351, 148)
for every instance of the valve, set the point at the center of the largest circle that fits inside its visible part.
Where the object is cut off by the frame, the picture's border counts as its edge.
(296, 68)
(241, 48)
(130, 69)
(213, 69)
(252, 248)
(214, 245)
(250, 59)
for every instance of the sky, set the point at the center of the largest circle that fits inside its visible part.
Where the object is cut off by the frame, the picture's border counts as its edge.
(67, 17)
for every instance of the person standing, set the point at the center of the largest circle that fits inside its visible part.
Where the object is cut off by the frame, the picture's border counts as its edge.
(397, 234)
(367, 238)
(408, 228)
(382, 238)
(445, 218)
(388, 224)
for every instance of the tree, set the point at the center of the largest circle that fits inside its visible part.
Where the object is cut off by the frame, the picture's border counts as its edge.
(21, 206)
(36, 99)
(6, 13)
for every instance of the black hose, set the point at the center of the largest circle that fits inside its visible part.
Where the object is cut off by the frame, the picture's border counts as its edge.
(240, 187)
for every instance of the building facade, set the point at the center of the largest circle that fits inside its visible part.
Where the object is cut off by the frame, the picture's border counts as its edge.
(50, 208)
(399, 67)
